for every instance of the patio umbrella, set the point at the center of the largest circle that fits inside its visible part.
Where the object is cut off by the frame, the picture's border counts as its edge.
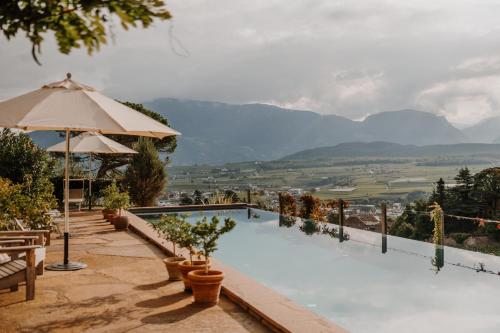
(71, 106)
(88, 143)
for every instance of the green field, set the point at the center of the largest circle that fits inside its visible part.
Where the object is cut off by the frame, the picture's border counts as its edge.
(390, 179)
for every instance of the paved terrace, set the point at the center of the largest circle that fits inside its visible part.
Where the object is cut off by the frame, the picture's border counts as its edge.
(124, 289)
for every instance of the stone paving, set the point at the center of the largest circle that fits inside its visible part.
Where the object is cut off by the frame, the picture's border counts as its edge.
(124, 289)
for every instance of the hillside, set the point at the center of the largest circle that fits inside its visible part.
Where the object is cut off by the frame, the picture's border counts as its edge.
(485, 131)
(216, 133)
(388, 149)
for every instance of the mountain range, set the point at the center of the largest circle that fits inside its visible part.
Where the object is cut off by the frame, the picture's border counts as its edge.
(217, 133)
(390, 149)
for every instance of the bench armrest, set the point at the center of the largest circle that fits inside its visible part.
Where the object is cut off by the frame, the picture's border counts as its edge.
(42, 235)
(19, 249)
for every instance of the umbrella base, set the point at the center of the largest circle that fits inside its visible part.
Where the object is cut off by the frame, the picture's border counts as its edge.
(71, 266)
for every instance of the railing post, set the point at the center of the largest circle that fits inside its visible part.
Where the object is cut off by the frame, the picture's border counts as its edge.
(279, 204)
(341, 220)
(383, 226)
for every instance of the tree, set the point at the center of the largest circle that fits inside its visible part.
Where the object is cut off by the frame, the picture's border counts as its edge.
(208, 233)
(20, 157)
(440, 190)
(28, 169)
(186, 199)
(465, 181)
(146, 176)
(75, 23)
(404, 225)
(173, 228)
(111, 162)
(198, 197)
(422, 226)
(232, 195)
(487, 189)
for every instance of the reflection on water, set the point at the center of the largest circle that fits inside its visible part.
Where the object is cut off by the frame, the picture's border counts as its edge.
(438, 260)
(384, 243)
(311, 227)
(287, 221)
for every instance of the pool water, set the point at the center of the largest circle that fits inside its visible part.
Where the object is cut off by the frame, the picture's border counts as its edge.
(412, 287)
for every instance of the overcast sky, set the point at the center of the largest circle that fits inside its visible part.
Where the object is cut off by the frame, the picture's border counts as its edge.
(352, 57)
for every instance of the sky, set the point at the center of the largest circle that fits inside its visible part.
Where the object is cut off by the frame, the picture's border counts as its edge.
(352, 58)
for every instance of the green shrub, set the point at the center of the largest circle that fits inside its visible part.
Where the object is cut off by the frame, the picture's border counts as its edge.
(459, 237)
(32, 208)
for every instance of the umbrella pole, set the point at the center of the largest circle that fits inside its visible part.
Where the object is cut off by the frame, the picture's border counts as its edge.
(66, 265)
(66, 201)
(90, 181)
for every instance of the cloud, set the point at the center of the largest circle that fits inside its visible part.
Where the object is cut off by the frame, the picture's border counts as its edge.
(351, 58)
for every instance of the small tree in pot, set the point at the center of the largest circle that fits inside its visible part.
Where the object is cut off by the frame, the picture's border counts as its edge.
(206, 283)
(173, 228)
(120, 201)
(189, 241)
(108, 194)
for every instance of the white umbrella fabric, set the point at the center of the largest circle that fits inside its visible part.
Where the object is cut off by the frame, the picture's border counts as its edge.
(71, 106)
(88, 143)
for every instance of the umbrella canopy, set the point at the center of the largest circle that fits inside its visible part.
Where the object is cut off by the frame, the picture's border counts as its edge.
(92, 143)
(69, 105)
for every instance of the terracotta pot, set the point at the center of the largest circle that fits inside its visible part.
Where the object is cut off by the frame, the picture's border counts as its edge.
(172, 265)
(185, 267)
(206, 287)
(120, 222)
(111, 218)
(106, 212)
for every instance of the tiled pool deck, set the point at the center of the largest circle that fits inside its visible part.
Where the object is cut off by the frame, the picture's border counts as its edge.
(124, 289)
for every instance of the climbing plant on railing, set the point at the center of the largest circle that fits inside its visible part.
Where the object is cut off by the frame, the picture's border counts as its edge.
(436, 215)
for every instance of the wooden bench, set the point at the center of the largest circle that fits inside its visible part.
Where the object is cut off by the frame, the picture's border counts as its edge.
(16, 271)
(30, 237)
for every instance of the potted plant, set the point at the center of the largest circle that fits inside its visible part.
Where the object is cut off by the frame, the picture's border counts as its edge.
(206, 283)
(108, 193)
(190, 241)
(120, 201)
(172, 228)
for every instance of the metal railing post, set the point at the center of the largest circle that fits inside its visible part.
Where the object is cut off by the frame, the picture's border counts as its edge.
(383, 226)
(341, 220)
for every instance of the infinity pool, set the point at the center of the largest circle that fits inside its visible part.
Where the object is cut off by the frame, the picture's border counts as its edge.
(412, 287)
